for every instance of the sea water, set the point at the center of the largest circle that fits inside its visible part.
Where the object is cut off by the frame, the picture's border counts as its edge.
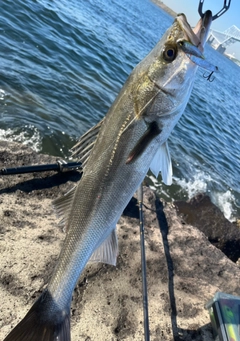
(63, 63)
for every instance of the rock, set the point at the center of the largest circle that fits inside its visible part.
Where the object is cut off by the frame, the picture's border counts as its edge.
(184, 269)
(207, 217)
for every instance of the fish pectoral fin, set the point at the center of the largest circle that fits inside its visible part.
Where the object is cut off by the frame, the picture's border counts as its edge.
(63, 205)
(107, 252)
(162, 162)
(152, 131)
(81, 150)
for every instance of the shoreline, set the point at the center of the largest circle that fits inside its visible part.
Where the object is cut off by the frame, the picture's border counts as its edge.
(165, 8)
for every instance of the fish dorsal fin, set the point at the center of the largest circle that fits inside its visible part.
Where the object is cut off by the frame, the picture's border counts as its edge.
(162, 162)
(107, 252)
(83, 147)
(63, 205)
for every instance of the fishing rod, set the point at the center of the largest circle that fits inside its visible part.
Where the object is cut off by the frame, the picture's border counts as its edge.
(143, 263)
(59, 166)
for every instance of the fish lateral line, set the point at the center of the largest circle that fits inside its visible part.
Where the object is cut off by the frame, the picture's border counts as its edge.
(152, 131)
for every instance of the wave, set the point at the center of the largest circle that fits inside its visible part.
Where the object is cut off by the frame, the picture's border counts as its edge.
(204, 183)
(30, 136)
(200, 182)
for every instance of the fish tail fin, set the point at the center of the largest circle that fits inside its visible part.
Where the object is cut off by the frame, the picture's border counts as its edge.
(43, 323)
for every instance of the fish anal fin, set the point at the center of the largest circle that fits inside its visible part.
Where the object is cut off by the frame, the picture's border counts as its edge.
(152, 131)
(42, 324)
(107, 252)
(162, 162)
(63, 205)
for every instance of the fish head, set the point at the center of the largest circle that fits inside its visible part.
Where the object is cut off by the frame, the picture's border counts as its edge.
(169, 66)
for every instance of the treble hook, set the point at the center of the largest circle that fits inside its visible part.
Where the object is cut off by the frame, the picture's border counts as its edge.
(208, 77)
(216, 16)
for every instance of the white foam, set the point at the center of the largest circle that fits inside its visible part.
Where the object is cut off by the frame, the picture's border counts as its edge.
(225, 202)
(34, 141)
(204, 183)
(158, 186)
(2, 94)
(198, 184)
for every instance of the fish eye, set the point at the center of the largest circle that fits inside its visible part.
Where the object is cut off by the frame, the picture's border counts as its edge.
(169, 53)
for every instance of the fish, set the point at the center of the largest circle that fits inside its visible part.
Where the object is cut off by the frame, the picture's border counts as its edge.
(116, 155)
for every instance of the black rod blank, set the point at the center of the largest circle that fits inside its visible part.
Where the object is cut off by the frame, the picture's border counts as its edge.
(143, 261)
(60, 166)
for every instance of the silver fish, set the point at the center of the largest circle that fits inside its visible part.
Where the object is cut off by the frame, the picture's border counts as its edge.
(116, 155)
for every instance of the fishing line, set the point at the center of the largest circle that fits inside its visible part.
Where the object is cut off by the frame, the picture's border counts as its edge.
(143, 264)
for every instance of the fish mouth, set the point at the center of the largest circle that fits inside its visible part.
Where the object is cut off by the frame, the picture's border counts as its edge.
(198, 35)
